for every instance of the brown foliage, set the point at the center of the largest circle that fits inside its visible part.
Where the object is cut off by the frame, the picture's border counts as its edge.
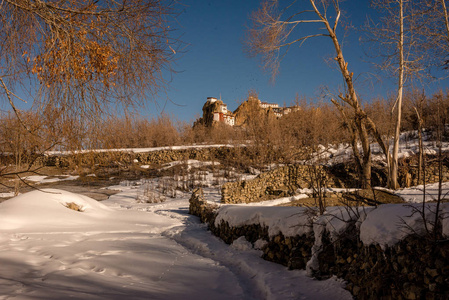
(116, 132)
(312, 125)
(83, 55)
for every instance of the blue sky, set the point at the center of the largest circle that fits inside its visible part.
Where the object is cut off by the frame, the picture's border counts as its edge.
(215, 65)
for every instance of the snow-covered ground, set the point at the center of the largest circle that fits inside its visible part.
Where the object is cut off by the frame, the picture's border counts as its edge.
(127, 248)
(122, 249)
(38, 179)
(408, 146)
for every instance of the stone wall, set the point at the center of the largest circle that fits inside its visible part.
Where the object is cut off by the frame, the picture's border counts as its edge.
(408, 170)
(293, 252)
(199, 207)
(414, 268)
(279, 182)
(152, 157)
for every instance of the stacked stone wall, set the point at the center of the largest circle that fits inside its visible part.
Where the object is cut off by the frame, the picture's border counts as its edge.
(152, 157)
(415, 268)
(279, 182)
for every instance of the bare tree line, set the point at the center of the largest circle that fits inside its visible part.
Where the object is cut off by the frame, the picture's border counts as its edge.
(272, 139)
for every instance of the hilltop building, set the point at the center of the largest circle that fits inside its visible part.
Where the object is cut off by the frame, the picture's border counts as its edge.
(278, 111)
(216, 112)
(268, 105)
(221, 112)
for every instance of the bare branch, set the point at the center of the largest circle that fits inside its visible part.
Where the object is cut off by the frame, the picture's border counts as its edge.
(85, 55)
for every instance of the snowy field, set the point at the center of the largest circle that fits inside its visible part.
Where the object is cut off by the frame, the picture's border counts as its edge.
(122, 249)
(127, 248)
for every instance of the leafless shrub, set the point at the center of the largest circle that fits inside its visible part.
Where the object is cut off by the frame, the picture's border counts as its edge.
(167, 186)
(150, 194)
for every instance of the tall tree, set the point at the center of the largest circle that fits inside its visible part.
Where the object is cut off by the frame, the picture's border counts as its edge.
(401, 47)
(83, 55)
(275, 29)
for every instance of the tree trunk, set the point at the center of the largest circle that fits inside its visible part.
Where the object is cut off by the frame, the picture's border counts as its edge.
(420, 146)
(393, 184)
(351, 98)
(354, 140)
(446, 18)
(366, 165)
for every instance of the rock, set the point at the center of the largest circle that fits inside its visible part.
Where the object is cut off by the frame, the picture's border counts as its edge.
(439, 280)
(409, 295)
(432, 272)
(356, 290)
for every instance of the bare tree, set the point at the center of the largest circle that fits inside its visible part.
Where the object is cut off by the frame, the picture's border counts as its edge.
(401, 48)
(445, 15)
(436, 30)
(274, 30)
(84, 55)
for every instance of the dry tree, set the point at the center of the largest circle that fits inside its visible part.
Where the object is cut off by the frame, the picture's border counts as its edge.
(276, 27)
(84, 56)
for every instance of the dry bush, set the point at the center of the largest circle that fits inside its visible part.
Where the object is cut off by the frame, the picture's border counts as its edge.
(36, 132)
(18, 139)
(379, 110)
(217, 134)
(270, 139)
(436, 115)
(312, 125)
(433, 110)
(114, 132)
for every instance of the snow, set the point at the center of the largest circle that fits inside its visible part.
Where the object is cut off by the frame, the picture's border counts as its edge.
(445, 221)
(120, 248)
(278, 201)
(415, 194)
(38, 179)
(408, 146)
(336, 219)
(289, 221)
(47, 209)
(191, 163)
(384, 225)
(7, 195)
(242, 244)
(388, 224)
(124, 247)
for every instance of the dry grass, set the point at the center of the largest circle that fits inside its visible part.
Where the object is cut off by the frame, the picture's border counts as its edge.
(358, 198)
(74, 206)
